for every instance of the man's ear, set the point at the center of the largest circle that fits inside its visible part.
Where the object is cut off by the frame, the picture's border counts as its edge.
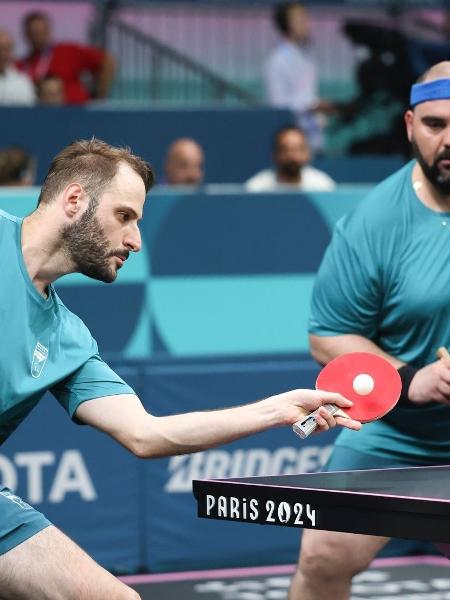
(409, 116)
(73, 199)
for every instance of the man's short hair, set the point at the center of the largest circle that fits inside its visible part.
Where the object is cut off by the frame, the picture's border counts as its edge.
(281, 131)
(281, 15)
(92, 163)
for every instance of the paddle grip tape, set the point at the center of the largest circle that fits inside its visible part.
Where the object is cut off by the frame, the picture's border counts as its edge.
(308, 424)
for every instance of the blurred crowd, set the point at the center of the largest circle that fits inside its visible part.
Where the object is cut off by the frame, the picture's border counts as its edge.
(52, 72)
(56, 73)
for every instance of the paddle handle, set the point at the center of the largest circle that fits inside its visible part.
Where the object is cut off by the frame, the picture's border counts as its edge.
(308, 424)
(442, 352)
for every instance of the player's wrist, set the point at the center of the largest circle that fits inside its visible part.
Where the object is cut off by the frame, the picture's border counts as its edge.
(275, 411)
(407, 374)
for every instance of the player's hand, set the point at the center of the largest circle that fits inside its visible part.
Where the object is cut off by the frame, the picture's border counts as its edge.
(431, 383)
(299, 403)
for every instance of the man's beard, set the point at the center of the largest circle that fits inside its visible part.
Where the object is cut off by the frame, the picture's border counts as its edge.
(88, 247)
(439, 178)
(290, 169)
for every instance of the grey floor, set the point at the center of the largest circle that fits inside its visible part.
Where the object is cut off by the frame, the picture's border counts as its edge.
(403, 582)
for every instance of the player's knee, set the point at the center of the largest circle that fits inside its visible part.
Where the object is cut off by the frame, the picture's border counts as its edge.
(325, 559)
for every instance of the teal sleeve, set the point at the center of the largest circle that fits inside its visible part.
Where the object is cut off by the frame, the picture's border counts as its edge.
(94, 379)
(346, 298)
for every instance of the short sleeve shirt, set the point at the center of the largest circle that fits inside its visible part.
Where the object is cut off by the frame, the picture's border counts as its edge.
(44, 346)
(386, 277)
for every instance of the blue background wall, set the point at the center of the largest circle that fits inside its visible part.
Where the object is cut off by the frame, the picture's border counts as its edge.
(217, 274)
(236, 142)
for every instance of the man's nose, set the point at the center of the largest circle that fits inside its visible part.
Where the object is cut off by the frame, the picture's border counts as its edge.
(133, 241)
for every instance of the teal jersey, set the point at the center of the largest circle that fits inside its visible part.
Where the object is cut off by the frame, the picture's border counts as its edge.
(386, 276)
(43, 345)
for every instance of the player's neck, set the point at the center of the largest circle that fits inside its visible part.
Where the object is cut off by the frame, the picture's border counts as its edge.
(44, 255)
(427, 193)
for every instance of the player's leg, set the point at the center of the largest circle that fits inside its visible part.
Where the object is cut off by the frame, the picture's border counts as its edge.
(49, 566)
(38, 561)
(328, 562)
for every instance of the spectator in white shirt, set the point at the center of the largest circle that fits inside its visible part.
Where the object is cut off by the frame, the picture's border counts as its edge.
(16, 88)
(291, 156)
(290, 73)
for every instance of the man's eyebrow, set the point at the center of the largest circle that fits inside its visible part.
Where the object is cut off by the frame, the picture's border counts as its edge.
(435, 118)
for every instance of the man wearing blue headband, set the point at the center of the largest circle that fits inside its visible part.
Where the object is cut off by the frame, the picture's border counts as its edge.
(384, 287)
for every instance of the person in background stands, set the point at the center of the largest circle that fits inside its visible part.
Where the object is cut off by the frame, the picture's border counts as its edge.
(15, 87)
(17, 167)
(184, 163)
(66, 60)
(291, 156)
(50, 91)
(290, 73)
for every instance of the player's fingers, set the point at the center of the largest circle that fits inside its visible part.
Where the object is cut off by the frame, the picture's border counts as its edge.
(445, 359)
(349, 423)
(445, 376)
(327, 417)
(444, 389)
(439, 397)
(333, 398)
(322, 422)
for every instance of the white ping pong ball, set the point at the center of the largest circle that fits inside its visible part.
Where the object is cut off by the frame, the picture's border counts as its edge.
(363, 384)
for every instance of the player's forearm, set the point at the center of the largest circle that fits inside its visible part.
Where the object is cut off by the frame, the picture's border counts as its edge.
(325, 348)
(192, 432)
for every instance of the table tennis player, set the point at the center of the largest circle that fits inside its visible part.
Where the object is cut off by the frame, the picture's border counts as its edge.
(87, 221)
(384, 287)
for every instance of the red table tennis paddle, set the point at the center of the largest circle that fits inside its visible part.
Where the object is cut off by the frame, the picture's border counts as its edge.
(368, 380)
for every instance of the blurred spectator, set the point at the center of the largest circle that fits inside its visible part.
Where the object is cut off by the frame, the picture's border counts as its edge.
(66, 60)
(184, 163)
(290, 73)
(291, 155)
(50, 91)
(17, 167)
(15, 87)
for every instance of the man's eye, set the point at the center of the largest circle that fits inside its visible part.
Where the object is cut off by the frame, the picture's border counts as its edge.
(435, 124)
(124, 216)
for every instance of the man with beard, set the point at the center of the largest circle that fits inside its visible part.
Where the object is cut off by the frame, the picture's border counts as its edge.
(87, 221)
(384, 287)
(291, 155)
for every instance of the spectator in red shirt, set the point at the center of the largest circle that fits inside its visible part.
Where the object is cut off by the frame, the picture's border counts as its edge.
(66, 60)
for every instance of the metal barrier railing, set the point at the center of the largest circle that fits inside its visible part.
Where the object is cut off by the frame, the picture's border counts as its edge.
(152, 71)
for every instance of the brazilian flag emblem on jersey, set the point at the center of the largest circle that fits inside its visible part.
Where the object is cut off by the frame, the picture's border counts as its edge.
(39, 358)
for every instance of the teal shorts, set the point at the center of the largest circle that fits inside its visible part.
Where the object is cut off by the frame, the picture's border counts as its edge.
(343, 458)
(18, 520)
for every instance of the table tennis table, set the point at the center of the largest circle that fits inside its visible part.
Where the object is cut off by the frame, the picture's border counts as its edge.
(403, 502)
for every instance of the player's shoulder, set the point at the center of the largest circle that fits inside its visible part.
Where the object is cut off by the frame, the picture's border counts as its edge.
(7, 222)
(6, 218)
(386, 203)
(72, 324)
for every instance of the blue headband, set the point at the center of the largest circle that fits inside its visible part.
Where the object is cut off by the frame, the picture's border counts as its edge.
(439, 89)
